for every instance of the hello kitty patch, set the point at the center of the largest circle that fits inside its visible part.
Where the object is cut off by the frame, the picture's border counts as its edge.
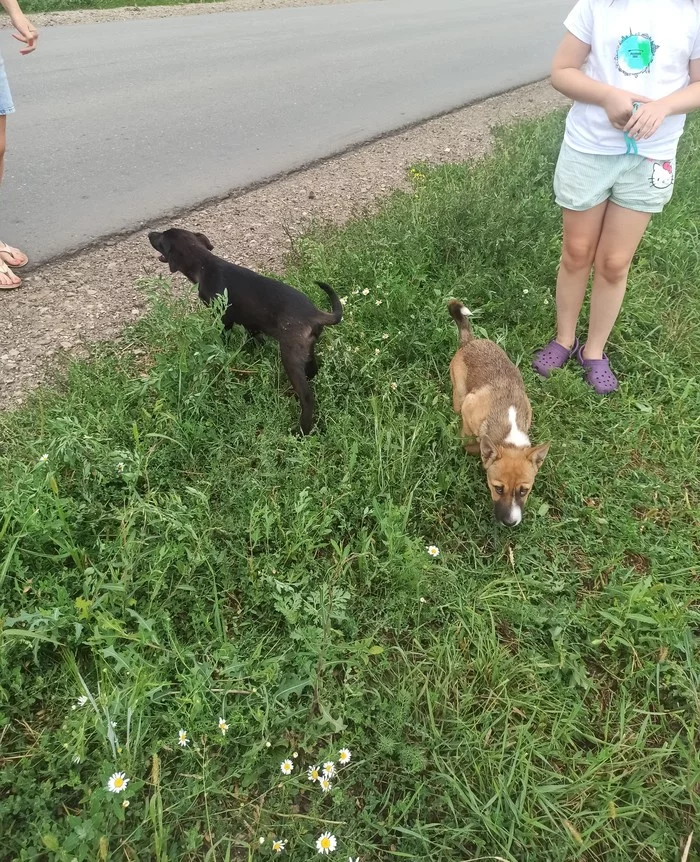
(662, 175)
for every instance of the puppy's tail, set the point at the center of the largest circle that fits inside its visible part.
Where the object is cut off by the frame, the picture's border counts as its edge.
(461, 314)
(337, 315)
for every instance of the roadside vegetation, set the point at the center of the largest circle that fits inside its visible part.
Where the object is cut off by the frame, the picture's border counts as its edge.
(173, 558)
(33, 6)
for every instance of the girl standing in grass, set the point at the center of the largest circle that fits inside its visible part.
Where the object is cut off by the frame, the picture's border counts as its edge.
(632, 68)
(9, 256)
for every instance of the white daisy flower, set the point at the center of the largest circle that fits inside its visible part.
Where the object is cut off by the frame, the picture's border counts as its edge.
(125, 803)
(295, 754)
(433, 550)
(261, 841)
(378, 302)
(120, 467)
(325, 784)
(344, 756)
(423, 600)
(376, 351)
(182, 739)
(326, 843)
(44, 458)
(365, 291)
(385, 336)
(329, 769)
(526, 291)
(546, 302)
(117, 782)
(223, 727)
(394, 387)
(113, 725)
(278, 845)
(313, 773)
(81, 701)
(343, 300)
(286, 767)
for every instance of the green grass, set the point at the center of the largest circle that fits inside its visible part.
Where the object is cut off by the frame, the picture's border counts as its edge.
(181, 556)
(32, 6)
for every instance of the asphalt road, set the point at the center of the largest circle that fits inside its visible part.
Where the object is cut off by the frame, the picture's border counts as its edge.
(120, 123)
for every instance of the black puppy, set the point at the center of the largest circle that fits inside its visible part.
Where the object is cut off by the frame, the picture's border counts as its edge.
(261, 305)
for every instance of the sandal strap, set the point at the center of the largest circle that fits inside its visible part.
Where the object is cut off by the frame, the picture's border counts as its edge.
(5, 248)
(5, 270)
(595, 363)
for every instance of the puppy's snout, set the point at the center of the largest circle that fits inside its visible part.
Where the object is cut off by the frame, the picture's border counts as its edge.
(510, 515)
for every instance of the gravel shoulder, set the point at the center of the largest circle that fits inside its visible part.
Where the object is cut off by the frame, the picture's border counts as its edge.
(66, 306)
(128, 13)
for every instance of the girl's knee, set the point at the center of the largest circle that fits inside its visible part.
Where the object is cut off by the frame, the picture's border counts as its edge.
(612, 266)
(577, 254)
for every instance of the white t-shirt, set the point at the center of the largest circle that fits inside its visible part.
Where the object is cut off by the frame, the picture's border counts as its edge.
(642, 46)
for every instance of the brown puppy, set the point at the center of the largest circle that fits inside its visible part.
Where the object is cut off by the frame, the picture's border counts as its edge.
(489, 393)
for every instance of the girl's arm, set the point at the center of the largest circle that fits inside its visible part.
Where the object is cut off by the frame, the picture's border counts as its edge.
(567, 76)
(688, 99)
(650, 116)
(25, 31)
(571, 81)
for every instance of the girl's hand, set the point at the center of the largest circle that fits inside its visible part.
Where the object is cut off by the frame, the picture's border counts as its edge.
(619, 106)
(26, 33)
(647, 120)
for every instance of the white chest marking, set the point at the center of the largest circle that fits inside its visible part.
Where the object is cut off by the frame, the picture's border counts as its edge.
(515, 437)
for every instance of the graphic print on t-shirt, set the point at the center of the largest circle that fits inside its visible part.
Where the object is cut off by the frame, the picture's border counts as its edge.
(635, 53)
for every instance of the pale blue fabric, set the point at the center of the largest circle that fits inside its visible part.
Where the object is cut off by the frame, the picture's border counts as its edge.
(6, 104)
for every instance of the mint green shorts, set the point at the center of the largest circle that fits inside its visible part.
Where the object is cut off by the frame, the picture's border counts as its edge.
(582, 181)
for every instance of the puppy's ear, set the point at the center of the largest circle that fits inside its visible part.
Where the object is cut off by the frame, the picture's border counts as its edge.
(171, 253)
(537, 454)
(489, 452)
(205, 241)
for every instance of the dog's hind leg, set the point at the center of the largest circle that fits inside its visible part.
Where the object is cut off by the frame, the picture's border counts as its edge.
(458, 373)
(311, 368)
(295, 366)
